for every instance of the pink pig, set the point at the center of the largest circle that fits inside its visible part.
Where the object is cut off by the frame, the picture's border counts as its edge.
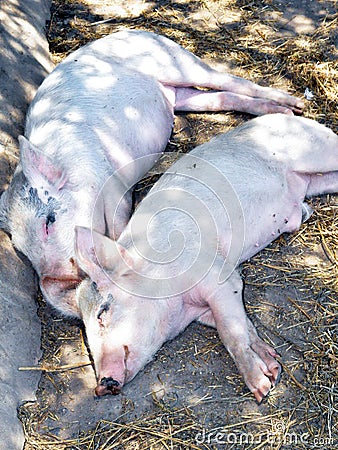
(177, 260)
(106, 105)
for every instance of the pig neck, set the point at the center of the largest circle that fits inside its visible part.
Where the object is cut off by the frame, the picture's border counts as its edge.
(171, 314)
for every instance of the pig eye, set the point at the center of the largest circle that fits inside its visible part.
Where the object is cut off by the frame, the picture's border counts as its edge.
(50, 219)
(103, 308)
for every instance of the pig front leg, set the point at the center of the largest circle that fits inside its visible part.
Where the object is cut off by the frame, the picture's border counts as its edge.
(112, 208)
(117, 216)
(190, 99)
(254, 358)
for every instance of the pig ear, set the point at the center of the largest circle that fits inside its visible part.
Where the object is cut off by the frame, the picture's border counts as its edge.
(38, 168)
(97, 254)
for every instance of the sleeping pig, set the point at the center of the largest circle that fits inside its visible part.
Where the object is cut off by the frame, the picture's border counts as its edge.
(177, 260)
(106, 105)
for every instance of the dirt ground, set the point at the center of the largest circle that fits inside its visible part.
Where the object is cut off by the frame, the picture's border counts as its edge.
(191, 395)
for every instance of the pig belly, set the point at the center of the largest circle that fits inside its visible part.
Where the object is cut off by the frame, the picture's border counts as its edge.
(268, 218)
(270, 222)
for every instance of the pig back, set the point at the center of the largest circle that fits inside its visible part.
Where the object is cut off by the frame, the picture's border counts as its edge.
(93, 110)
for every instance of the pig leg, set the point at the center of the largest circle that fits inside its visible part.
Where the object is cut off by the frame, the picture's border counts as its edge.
(198, 74)
(219, 81)
(254, 358)
(326, 183)
(116, 216)
(175, 66)
(190, 99)
(303, 140)
(112, 208)
(207, 318)
(302, 186)
(110, 216)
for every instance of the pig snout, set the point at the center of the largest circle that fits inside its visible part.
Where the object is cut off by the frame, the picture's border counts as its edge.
(108, 385)
(113, 372)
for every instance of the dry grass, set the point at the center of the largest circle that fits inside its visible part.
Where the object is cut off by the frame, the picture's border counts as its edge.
(246, 35)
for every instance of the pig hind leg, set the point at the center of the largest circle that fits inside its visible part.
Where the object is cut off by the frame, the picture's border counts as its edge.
(302, 186)
(325, 183)
(190, 99)
(254, 358)
(307, 212)
(174, 66)
(237, 85)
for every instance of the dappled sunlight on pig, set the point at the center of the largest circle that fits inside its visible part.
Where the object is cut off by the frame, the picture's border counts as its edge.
(131, 113)
(42, 107)
(104, 82)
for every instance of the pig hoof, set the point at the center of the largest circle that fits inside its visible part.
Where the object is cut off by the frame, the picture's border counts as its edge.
(273, 374)
(108, 386)
(306, 212)
(260, 395)
(278, 376)
(259, 367)
(267, 354)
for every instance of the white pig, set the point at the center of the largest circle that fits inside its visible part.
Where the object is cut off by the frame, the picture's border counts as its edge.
(106, 105)
(177, 260)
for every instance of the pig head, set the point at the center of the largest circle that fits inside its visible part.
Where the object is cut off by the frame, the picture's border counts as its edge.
(124, 331)
(40, 209)
(37, 210)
